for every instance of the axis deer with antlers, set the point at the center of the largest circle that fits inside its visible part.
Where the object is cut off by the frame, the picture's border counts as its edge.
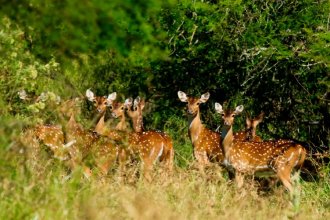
(206, 143)
(247, 157)
(149, 145)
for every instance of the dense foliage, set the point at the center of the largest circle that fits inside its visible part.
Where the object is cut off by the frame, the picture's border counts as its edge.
(270, 56)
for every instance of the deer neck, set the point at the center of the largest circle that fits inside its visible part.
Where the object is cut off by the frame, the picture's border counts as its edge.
(138, 124)
(121, 126)
(195, 126)
(100, 125)
(72, 121)
(227, 139)
(72, 126)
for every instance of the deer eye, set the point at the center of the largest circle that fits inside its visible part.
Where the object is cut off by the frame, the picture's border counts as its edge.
(110, 107)
(122, 108)
(222, 114)
(233, 115)
(198, 103)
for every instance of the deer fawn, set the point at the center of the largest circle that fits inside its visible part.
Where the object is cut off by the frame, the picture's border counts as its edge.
(149, 145)
(206, 143)
(251, 157)
(250, 129)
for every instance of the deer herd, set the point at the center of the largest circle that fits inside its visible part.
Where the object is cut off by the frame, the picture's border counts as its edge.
(241, 154)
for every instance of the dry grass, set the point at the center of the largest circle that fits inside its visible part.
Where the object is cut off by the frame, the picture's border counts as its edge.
(35, 186)
(186, 194)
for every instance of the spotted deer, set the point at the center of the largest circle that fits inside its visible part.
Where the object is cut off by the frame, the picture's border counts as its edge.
(53, 137)
(148, 145)
(72, 143)
(92, 147)
(101, 103)
(119, 134)
(249, 134)
(136, 114)
(246, 157)
(206, 143)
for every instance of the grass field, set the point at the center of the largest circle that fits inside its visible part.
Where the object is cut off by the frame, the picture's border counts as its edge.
(36, 186)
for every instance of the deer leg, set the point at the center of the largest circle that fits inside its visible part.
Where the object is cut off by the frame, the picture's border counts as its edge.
(284, 175)
(168, 155)
(122, 159)
(170, 161)
(239, 179)
(284, 172)
(104, 167)
(147, 165)
(202, 159)
(286, 163)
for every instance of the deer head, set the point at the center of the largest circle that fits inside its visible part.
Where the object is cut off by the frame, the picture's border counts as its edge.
(117, 109)
(251, 127)
(129, 107)
(192, 102)
(134, 111)
(134, 107)
(228, 116)
(100, 102)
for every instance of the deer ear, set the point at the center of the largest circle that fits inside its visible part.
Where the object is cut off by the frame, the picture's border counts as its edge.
(128, 101)
(218, 108)
(137, 101)
(112, 97)
(90, 95)
(182, 96)
(239, 109)
(142, 104)
(248, 122)
(260, 117)
(205, 97)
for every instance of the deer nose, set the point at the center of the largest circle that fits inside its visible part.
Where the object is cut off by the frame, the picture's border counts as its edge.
(227, 123)
(189, 111)
(114, 115)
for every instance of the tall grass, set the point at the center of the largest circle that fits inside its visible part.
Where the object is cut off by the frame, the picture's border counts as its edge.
(185, 195)
(36, 186)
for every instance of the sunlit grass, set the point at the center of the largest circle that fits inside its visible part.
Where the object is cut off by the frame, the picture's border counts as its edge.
(52, 193)
(34, 185)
